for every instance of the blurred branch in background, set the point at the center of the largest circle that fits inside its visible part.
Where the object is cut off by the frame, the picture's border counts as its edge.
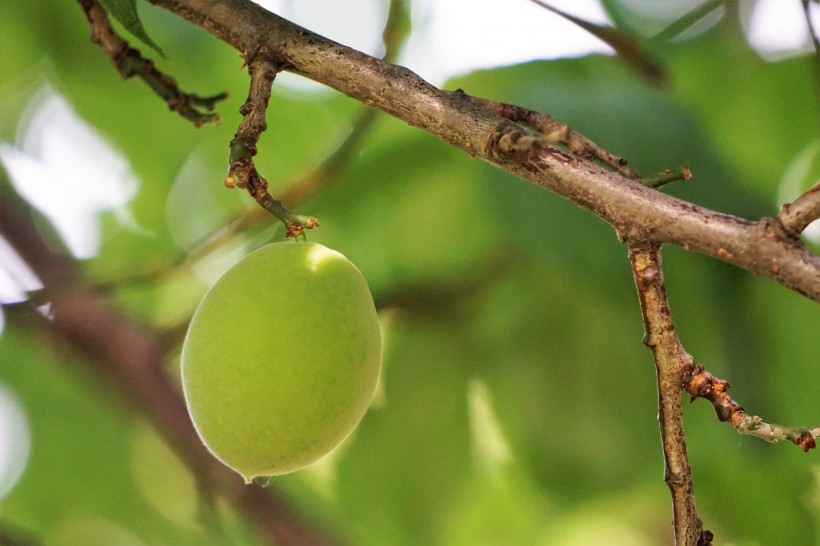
(814, 33)
(133, 357)
(687, 21)
(12, 535)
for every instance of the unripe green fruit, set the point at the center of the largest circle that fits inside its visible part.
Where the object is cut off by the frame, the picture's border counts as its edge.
(281, 359)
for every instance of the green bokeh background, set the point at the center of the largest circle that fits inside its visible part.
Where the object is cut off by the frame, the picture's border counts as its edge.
(518, 404)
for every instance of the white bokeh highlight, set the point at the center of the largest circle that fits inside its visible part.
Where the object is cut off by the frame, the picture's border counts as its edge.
(777, 29)
(15, 441)
(453, 37)
(65, 169)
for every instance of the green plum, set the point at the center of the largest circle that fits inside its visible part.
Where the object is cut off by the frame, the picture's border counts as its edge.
(281, 358)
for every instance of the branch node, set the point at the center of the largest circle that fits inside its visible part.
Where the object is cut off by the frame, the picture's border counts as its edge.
(805, 442)
(796, 216)
(552, 132)
(705, 385)
(666, 177)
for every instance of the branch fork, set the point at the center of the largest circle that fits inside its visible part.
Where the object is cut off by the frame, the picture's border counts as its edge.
(674, 366)
(676, 372)
(263, 67)
(795, 217)
(550, 132)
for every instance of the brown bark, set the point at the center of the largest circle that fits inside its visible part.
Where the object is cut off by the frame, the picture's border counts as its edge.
(635, 211)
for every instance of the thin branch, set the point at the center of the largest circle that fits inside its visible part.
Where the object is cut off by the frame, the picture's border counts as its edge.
(674, 367)
(796, 216)
(242, 172)
(635, 212)
(704, 385)
(129, 63)
(319, 177)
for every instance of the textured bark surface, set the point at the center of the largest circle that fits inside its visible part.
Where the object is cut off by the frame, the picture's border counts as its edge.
(674, 367)
(637, 213)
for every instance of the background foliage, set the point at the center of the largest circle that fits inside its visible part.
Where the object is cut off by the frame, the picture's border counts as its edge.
(518, 404)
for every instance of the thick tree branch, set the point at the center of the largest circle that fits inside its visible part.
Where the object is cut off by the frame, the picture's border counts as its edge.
(674, 368)
(635, 211)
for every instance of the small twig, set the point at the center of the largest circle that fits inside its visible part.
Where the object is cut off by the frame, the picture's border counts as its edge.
(796, 216)
(667, 177)
(242, 172)
(674, 368)
(129, 63)
(704, 385)
(553, 131)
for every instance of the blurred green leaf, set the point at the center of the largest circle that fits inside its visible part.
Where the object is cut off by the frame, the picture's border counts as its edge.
(78, 476)
(517, 404)
(420, 432)
(757, 115)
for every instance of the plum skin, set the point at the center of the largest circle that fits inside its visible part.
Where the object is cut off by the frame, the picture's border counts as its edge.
(281, 358)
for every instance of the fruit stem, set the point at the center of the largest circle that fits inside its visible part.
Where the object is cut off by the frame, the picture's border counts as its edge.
(242, 173)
